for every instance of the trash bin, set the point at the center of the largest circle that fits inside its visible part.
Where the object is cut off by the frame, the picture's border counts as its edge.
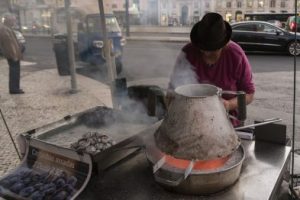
(60, 47)
(151, 96)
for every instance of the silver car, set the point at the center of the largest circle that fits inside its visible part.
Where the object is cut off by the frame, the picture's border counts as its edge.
(21, 40)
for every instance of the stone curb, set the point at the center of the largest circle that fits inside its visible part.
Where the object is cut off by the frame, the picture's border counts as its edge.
(131, 38)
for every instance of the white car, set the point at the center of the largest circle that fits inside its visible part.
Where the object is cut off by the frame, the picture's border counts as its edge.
(21, 40)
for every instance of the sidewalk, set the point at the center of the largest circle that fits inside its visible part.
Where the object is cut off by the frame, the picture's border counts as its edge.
(160, 29)
(46, 99)
(135, 38)
(146, 33)
(158, 38)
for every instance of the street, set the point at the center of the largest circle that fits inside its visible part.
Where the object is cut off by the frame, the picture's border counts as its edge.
(157, 58)
(148, 59)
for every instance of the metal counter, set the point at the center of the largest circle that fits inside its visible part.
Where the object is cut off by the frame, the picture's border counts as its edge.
(261, 176)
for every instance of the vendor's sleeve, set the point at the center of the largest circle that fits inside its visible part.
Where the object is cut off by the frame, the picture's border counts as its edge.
(183, 73)
(245, 81)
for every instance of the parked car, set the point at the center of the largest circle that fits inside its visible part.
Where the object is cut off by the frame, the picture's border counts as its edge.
(90, 40)
(264, 36)
(291, 24)
(21, 40)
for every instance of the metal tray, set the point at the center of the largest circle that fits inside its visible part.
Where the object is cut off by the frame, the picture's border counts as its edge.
(47, 166)
(121, 126)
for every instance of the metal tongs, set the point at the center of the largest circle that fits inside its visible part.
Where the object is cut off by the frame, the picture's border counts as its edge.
(266, 121)
(242, 112)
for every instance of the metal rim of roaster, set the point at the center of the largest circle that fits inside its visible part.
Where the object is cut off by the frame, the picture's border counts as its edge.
(191, 181)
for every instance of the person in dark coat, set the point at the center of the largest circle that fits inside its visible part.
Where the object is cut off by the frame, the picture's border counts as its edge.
(12, 52)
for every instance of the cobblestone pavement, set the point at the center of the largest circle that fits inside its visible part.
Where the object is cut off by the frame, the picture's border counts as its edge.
(46, 99)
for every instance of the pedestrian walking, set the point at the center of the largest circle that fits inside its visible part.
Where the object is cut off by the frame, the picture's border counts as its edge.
(11, 50)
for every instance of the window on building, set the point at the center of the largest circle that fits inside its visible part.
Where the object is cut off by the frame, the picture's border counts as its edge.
(228, 4)
(174, 5)
(273, 3)
(261, 3)
(114, 5)
(298, 4)
(219, 3)
(41, 2)
(164, 4)
(60, 3)
(228, 16)
(282, 4)
(207, 5)
(249, 3)
(239, 4)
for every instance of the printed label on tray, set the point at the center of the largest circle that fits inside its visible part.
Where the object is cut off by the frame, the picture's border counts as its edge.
(46, 175)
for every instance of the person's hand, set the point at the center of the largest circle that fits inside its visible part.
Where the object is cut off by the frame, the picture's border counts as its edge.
(226, 104)
(169, 98)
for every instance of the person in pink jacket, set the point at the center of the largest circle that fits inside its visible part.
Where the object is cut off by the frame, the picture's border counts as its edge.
(12, 52)
(212, 58)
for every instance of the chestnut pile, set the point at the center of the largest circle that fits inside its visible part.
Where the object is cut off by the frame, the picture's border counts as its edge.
(93, 142)
(29, 184)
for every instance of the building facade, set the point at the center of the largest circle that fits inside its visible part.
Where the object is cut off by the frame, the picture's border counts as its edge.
(175, 13)
(235, 10)
(187, 12)
(34, 13)
(145, 12)
(4, 7)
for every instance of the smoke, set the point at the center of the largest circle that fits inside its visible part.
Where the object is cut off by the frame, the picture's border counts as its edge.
(139, 105)
(87, 6)
(135, 111)
(183, 73)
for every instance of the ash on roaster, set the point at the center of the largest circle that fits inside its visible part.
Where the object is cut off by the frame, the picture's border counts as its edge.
(196, 150)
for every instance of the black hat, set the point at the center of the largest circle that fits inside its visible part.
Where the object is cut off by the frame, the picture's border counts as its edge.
(211, 33)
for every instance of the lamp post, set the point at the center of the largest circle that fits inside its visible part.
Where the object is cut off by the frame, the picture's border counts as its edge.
(127, 18)
(109, 57)
(71, 47)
